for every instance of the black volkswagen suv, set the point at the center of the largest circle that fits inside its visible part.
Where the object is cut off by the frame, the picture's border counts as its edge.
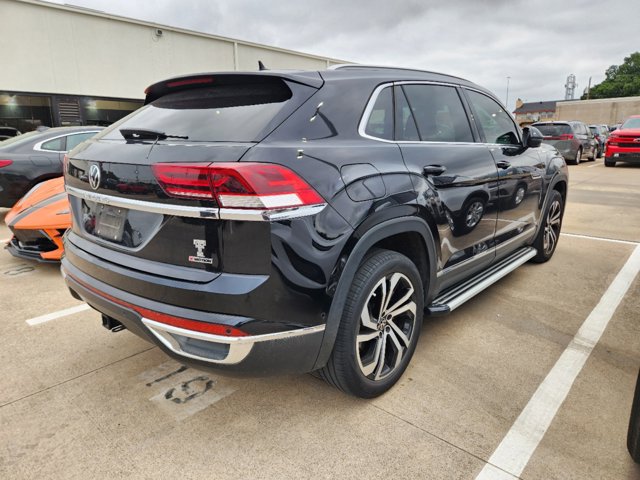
(280, 222)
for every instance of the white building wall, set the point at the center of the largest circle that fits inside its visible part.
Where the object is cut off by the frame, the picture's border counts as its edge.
(57, 49)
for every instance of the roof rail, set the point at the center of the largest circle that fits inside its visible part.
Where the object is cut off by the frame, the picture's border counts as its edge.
(357, 65)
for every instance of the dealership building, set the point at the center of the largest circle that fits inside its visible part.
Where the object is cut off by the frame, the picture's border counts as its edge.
(64, 65)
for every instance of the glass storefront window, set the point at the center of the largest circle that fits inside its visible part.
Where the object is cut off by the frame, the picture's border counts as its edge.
(106, 112)
(25, 112)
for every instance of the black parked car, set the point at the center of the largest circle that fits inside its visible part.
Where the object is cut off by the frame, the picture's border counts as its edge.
(633, 432)
(35, 156)
(8, 132)
(303, 221)
(573, 139)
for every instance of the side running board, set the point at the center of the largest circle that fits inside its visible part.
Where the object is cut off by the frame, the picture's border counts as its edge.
(455, 296)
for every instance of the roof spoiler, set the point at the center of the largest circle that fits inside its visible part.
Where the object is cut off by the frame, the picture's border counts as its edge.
(187, 82)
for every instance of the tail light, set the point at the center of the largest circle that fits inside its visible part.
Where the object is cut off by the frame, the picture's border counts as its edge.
(5, 163)
(237, 185)
(566, 136)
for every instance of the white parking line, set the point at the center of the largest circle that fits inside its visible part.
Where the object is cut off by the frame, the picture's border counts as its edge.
(517, 447)
(58, 314)
(595, 165)
(5, 240)
(601, 239)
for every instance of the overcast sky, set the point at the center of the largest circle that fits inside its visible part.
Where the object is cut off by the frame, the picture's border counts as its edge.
(536, 43)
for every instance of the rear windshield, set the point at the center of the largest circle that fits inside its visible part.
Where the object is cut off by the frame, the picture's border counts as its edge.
(631, 123)
(553, 129)
(225, 113)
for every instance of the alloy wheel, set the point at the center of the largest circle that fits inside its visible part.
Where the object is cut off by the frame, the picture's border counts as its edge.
(387, 325)
(474, 213)
(519, 196)
(552, 227)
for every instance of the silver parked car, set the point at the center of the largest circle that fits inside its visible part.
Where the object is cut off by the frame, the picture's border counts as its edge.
(572, 139)
(601, 133)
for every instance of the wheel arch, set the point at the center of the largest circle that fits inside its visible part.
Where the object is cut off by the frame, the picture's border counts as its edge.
(406, 235)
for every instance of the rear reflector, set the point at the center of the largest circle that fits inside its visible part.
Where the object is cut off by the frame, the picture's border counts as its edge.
(187, 324)
(237, 185)
(5, 163)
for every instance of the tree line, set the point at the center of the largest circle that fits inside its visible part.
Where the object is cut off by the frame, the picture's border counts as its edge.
(622, 80)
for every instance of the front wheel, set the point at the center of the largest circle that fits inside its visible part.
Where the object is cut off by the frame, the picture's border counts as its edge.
(608, 162)
(547, 239)
(380, 326)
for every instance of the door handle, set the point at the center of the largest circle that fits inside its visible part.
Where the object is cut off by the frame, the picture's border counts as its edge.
(434, 170)
(503, 164)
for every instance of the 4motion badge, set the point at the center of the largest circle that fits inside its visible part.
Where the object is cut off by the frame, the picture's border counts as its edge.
(199, 256)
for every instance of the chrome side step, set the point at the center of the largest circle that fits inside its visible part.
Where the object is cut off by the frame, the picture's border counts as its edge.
(455, 296)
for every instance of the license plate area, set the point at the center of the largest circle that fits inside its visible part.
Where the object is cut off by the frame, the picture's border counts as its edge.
(110, 222)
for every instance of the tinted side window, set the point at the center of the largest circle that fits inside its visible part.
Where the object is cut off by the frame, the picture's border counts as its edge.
(56, 145)
(380, 121)
(496, 124)
(438, 113)
(405, 124)
(75, 140)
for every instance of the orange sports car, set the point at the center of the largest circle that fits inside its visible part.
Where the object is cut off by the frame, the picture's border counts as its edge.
(38, 221)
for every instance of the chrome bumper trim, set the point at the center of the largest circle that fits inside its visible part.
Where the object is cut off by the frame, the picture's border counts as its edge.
(207, 213)
(239, 347)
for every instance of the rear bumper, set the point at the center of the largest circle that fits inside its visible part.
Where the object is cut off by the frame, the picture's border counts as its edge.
(284, 352)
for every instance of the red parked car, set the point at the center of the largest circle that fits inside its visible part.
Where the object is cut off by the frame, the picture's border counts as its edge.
(623, 145)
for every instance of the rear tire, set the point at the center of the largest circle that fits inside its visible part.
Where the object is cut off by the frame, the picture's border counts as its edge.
(380, 326)
(600, 152)
(608, 162)
(594, 154)
(578, 157)
(547, 239)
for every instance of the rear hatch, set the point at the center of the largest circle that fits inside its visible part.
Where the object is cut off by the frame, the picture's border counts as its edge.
(138, 188)
(559, 135)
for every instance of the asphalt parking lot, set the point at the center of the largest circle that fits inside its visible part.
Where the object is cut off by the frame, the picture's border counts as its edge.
(77, 401)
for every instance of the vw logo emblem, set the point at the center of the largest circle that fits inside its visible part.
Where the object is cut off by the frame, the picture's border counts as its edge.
(94, 176)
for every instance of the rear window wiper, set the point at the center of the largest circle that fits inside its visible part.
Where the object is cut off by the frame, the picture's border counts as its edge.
(144, 134)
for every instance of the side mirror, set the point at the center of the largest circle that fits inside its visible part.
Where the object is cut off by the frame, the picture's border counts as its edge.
(532, 137)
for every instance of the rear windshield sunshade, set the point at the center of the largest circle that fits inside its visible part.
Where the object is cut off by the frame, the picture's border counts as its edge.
(223, 113)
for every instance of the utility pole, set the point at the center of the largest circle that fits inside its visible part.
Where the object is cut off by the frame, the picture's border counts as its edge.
(589, 88)
(506, 103)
